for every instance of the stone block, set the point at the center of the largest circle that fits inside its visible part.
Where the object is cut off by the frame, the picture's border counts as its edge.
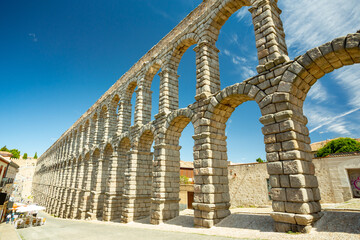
(274, 168)
(278, 206)
(283, 217)
(299, 194)
(278, 194)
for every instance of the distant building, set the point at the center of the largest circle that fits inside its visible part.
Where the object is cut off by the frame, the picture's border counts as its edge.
(186, 190)
(8, 171)
(23, 180)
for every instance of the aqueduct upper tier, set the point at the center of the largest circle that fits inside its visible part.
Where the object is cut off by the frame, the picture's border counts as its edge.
(102, 167)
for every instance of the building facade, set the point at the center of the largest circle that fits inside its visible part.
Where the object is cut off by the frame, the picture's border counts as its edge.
(8, 171)
(23, 181)
(102, 167)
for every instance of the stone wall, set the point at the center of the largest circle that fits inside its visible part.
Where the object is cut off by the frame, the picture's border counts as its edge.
(333, 177)
(248, 182)
(248, 185)
(102, 167)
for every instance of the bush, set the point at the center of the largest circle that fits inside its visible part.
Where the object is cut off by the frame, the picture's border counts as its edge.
(184, 180)
(339, 145)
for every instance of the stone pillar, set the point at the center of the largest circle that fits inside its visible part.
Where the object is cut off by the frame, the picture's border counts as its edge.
(166, 185)
(64, 191)
(269, 34)
(85, 200)
(56, 190)
(295, 191)
(80, 188)
(98, 193)
(60, 189)
(211, 191)
(124, 116)
(75, 191)
(207, 70)
(137, 187)
(112, 199)
(69, 189)
(169, 90)
(143, 105)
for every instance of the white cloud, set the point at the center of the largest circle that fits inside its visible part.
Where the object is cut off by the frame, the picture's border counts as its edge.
(242, 13)
(349, 79)
(318, 93)
(309, 23)
(226, 52)
(33, 37)
(320, 118)
(234, 38)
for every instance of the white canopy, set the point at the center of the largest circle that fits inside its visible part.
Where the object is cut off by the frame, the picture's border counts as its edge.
(30, 208)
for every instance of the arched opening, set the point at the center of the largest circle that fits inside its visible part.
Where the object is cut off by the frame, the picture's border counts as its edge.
(166, 176)
(107, 182)
(329, 95)
(95, 185)
(137, 195)
(148, 95)
(103, 125)
(85, 181)
(113, 115)
(210, 153)
(123, 161)
(185, 62)
(238, 53)
(127, 107)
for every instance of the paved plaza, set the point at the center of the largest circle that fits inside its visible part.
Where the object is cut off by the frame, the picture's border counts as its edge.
(339, 221)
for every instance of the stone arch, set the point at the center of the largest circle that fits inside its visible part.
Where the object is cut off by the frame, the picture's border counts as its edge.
(103, 125)
(105, 201)
(84, 202)
(123, 151)
(144, 94)
(113, 114)
(95, 186)
(224, 10)
(125, 106)
(166, 167)
(315, 63)
(137, 199)
(180, 47)
(145, 138)
(210, 153)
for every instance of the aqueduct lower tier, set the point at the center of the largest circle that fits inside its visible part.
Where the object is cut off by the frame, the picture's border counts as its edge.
(104, 168)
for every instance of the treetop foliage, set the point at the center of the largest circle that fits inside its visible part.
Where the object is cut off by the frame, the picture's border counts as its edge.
(35, 156)
(25, 156)
(259, 160)
(4, 148)
(339, 145)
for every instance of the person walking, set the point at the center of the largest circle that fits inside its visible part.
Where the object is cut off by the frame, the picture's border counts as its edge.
(8, 218)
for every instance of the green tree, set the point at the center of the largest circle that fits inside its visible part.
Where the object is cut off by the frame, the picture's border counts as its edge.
(15, 153)
(339, 145)
(25, 156)
(4, 148)
(259, 160)
(35, 156)
(184, 180)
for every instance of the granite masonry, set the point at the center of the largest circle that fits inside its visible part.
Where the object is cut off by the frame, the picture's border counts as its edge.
(102, 167)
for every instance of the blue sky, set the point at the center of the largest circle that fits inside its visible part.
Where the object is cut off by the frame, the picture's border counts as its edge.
(58, 57)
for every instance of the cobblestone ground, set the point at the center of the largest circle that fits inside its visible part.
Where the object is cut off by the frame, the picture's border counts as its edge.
(244, 223)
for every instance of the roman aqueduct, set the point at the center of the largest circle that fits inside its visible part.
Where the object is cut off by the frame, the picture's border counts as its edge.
(102, 167)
